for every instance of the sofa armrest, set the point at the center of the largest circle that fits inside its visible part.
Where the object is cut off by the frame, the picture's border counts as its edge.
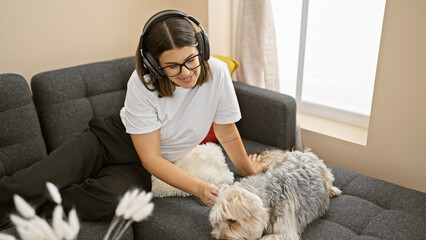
(268, 117)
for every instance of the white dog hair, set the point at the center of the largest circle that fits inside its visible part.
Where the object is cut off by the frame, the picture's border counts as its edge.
(276, 204)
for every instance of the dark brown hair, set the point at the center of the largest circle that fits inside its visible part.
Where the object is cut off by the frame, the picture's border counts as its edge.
(165, 35)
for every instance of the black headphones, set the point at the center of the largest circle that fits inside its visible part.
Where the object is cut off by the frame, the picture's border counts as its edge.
(148, 60)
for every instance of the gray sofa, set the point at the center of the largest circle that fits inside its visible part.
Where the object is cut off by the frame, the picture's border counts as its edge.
(63, 101)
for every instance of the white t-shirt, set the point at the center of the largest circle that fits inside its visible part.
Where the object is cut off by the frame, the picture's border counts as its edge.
(185, 118)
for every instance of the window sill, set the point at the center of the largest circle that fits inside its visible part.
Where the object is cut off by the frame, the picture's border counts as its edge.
(335, 129)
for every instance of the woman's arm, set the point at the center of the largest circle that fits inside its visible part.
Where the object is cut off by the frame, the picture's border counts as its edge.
(230, 139)
(148, 148)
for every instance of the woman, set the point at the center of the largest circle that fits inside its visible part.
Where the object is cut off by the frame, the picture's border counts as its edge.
(173, 97)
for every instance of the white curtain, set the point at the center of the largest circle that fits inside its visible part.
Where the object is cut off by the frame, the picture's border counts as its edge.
(255, 46)
(256, 49)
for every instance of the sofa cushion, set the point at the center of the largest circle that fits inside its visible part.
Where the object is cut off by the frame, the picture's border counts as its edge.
(370, 209)
(175, 218)
(77, 95)
(21, 140)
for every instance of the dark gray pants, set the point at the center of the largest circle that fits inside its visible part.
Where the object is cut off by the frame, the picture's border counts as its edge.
(92, 171)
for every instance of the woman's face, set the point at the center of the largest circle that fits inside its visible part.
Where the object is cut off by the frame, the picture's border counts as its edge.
(170, 59)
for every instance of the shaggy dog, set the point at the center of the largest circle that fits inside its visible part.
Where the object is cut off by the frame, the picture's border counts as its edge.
(278, 203)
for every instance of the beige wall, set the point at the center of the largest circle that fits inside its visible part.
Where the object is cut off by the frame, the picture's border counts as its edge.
(44, 35)
(220, 26)
(396, 145)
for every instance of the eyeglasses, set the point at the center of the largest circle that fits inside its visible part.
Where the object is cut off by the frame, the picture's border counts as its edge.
(175, 69)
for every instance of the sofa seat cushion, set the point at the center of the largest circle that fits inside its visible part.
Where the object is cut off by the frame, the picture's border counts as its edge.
(21, 140)
(370, 209)
(175, 218)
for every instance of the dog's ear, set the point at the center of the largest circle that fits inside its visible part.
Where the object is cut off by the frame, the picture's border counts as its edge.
(240, 203)
(221, 207)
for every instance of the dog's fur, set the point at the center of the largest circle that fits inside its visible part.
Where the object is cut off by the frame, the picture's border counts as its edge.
(278, 203)
(205, 161)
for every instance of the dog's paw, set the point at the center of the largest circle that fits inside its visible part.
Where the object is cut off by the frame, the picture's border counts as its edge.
(334, 191)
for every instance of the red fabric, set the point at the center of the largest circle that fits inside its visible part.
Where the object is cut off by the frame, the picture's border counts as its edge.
(211, 137)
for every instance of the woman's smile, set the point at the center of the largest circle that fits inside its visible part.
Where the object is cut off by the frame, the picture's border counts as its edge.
(186, 78)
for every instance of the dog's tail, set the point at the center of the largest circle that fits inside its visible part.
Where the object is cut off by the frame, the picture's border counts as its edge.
(334, 191)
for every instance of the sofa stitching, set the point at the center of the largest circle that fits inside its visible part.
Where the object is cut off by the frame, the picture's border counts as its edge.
(395, 208)
(83, 79)
(16, 107)
(119, 70)
(119, 90)
(351, 181)
(85, 87)
(45, 108)
(85, 84)
(383, 209)
(2, 170)
(365, 226)
(27, 140)
(362, 229)
(85, 97)
(366, 201)
(386, 206)
(337, 223)
(368, 223)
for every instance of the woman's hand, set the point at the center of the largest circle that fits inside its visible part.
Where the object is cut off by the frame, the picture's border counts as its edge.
(208, 194)
(256, 163)
(148, 147)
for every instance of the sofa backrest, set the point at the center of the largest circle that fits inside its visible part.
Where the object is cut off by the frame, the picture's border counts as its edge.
(21, 140)
(66, 99)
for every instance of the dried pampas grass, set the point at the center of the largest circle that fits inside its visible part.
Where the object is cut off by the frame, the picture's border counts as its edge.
(133, 207)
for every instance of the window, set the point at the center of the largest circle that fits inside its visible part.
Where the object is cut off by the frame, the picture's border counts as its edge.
(327, 53)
